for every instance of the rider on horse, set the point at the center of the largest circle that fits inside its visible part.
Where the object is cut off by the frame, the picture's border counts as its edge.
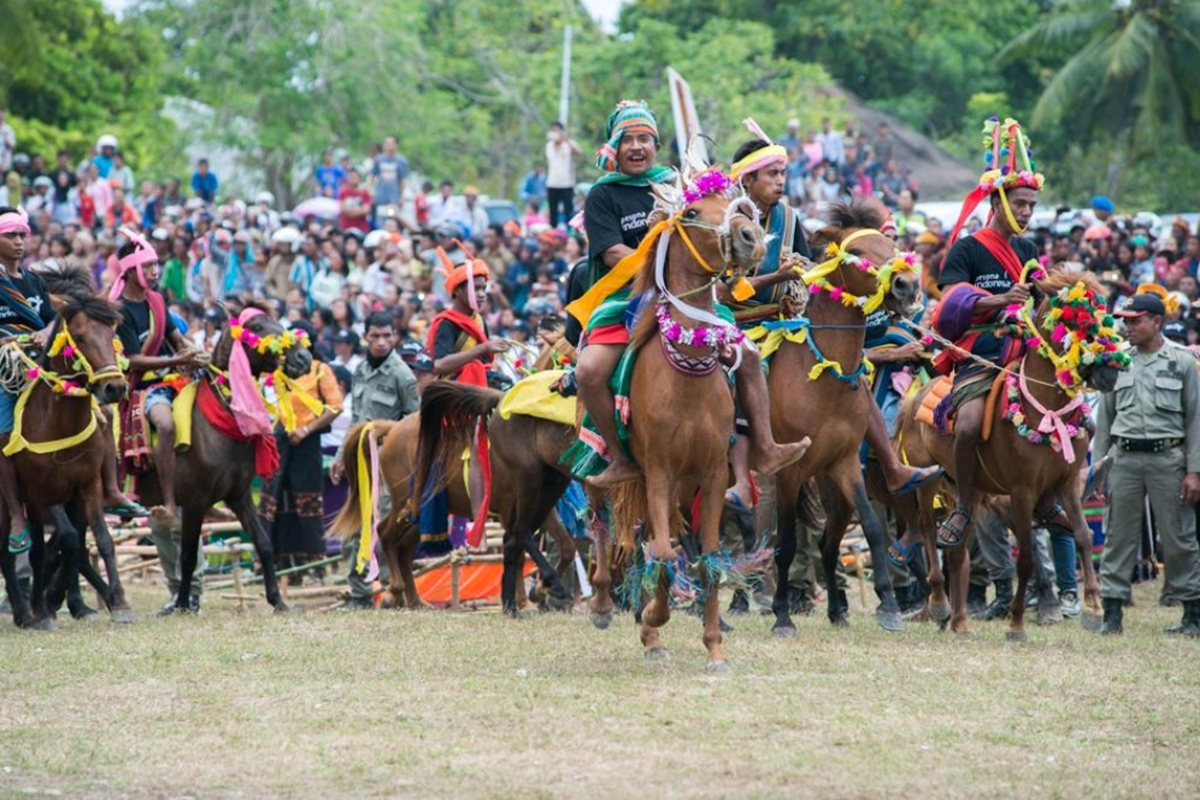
(616, 220)
(760, 166)
(980, 278)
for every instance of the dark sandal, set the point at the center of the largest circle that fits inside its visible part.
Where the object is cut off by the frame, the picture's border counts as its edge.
(955, 535)
(900, 555)
(20, 542)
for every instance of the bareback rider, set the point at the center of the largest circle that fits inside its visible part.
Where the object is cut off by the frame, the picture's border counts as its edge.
(25, 308)
(155, 348)
(980, 278)
(615, 218)
(760, 167)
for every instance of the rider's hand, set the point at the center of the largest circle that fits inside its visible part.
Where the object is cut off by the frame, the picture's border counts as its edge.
(1190, 491)
(495, 345)
(186, 357)
(335, 472)
(1019, 293)
(40, 338)
(910, 351)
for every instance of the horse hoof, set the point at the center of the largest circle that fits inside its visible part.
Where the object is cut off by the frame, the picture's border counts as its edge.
(601, 621)
(657, 654)
(86, 614)
(788, 631)
(840, 621)
(890, 621)
(965, 636)
(1049, 615)
(44, 624)
(718, 668)
(1091, 622)
(939, 613)
(284, 608)
(1016, 636)
(561, 604)
(123, 616)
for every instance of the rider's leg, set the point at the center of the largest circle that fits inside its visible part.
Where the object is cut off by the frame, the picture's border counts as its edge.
(595, 367)
(739, 458)
(12, 500)
(766, 455)
(895, 472)
(113, 496)
(968, 425)
(160, 417)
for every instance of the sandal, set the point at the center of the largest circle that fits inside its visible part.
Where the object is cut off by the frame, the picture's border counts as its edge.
(900, 554)
(20, 542)
(734, 503)
(949, 535)
(917, 480)
(127, 510)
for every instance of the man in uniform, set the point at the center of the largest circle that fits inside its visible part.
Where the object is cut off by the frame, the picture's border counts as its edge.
(1151, 422)
(384, 388)
(980, 278)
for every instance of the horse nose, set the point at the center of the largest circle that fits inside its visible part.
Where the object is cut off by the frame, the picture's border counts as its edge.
(113, 391)
(748, 235)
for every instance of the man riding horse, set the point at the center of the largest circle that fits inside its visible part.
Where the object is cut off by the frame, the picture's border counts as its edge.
(980, 278)
(616, 220)
(760, 166)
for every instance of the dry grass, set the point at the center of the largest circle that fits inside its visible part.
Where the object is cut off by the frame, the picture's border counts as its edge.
(440, 705)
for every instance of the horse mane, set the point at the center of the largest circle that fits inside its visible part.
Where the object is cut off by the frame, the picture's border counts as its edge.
(861, 212)
(70, 281)
(95, 307)
(1056, 281)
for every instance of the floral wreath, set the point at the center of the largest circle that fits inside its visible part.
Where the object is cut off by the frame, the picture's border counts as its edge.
(1079, 323)
(837, 255)
(276, 343)
(64, 345)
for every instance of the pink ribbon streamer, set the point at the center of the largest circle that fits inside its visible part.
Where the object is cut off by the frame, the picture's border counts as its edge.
(1052, 421)
(144, 254)
(380, 486)
(246, 400)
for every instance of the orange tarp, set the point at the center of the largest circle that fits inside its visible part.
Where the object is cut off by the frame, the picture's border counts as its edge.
(476, 582)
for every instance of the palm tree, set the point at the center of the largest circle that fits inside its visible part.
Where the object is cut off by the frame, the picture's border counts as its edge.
(1130, 70)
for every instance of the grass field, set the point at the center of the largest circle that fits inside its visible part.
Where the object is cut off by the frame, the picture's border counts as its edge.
(440, 705)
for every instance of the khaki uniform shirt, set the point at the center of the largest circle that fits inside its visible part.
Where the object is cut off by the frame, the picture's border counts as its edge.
(1158, 397)
(386, 393)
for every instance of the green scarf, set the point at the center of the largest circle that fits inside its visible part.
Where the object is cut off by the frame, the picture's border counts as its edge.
(656, 174)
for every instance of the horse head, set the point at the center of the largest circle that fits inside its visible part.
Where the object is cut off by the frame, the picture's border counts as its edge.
(84, 351)
(267, 344)
(1074, 329)
(862, 266)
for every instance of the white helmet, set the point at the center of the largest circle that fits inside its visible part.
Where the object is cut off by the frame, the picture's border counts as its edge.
(107, 140)
(265, 198)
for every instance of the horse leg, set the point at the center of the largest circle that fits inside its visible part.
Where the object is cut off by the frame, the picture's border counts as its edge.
(511, 548)
(118, 606)
(558, 592)
(600, 609)
(1073, 505)
(1021, 519)
(406, 550)
(657, 612)
(21, 611)
(787, 496)
(74, 526)
(38, 564)
(837, 519)
(565, 568)
(389, 543)
(711, 504)
(848, 478)
(243, 507)
(959, 562)
(189, 554)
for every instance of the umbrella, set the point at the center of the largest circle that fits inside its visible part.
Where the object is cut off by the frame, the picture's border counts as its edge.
(1097, 231)
(323, 207)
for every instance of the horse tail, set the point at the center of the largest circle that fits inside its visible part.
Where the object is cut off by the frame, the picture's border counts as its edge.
(629, 508)
(449, 413)
(348, 521)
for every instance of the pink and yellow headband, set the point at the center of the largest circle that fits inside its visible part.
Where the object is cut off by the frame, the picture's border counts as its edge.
(769, 153)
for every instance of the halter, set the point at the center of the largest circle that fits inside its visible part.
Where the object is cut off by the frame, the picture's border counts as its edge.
(799, 331)
(838, 256)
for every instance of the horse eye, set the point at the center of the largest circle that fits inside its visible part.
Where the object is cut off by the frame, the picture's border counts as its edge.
(691, 213)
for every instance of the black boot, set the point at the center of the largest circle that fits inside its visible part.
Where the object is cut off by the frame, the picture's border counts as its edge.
(1114, 610)
(1190, 626)
(976, 599)
(1002, 602)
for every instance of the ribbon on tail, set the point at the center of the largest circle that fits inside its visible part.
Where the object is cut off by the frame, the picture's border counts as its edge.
(475, 535)
(365, 562)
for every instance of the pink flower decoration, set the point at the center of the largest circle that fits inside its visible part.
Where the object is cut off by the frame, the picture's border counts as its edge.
(836, 292)
(33, 373)
(68, 351)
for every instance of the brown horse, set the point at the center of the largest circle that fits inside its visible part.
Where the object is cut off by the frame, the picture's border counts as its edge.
(1034, 476)
(832, 408)
(79, 369)
(526, 483)
(217, 468)
(681, 415)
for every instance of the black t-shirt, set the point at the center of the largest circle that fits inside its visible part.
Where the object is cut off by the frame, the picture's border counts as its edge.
(615, 213)
(876, 323)
(445, 341)
(36, 292)
(135, 327)
(970, 262)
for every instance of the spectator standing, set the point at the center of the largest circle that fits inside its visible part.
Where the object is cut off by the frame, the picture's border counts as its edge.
(831, 144)
(356, 204)
(882, 148)
(791, 140)
(560, 174)
(441, 205)
(8, 143)
(471, 216)
(328, 177)
(204, 182)
(120, 174)
(390, 170)
(533, 186)
(104, 159)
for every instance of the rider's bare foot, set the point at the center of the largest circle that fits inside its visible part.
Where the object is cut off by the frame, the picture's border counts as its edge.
(619, 471)
(780, 456)
(162, 514)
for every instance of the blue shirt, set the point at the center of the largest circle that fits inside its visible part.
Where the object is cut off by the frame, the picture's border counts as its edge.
(534, 185)
(205, 186)
(103, 165)
(329, 178)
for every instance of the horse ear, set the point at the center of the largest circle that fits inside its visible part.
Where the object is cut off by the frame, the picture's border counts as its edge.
(824, 236)
(58, 301)
(695, 160)
(668, 196)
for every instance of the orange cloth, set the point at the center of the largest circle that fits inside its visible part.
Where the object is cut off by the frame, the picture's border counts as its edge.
(319, 384)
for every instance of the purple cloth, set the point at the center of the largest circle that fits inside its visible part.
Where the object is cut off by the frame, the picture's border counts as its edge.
(956, 312)
(941, 413)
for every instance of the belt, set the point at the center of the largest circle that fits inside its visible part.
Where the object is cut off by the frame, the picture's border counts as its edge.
(1147, 445)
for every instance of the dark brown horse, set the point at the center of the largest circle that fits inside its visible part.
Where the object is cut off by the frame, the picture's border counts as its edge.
(527, 481)
(1033, 476)
(831, 405)
(59, 449)
(217, 468)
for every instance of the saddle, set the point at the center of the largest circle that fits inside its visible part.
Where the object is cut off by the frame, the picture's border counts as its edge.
(935, 406)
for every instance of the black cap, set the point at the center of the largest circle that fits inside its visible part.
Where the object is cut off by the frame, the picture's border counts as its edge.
(1142, 304)
(421, 362)
(345, 336)
(1176, 331)
(409, 350)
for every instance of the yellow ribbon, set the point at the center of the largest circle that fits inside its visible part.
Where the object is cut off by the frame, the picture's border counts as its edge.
(366, 504)
(617, 277)
(285, 390)
(17, 442)
(771, 152)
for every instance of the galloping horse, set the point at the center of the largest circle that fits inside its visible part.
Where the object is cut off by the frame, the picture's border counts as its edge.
(217, 467)
(57, 452)
(527, 482)
(681, 406)
(1043, 406)
(817, 390)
